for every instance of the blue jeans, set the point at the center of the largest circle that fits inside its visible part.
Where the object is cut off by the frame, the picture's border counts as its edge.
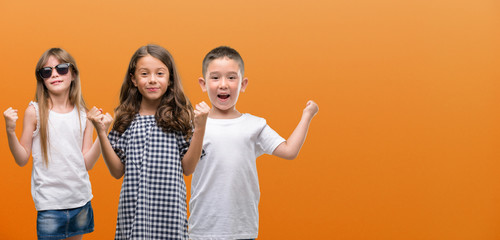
(59, 224)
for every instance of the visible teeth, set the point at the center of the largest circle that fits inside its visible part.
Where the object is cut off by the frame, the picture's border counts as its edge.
(223, 96)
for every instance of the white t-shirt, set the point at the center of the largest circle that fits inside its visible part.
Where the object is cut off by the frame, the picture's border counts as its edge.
(64, 183)
(225, 187)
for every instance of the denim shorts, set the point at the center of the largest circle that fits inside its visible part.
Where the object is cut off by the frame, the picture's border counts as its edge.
(60, 224)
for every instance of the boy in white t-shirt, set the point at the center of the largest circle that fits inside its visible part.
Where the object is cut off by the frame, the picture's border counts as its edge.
(225, 187)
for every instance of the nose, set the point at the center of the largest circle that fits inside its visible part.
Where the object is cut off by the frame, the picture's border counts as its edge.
(153, 78)
(54, 73)
(223, 83)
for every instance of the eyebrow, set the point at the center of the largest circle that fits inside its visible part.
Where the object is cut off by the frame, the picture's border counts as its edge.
(217, 72)
(145, 68)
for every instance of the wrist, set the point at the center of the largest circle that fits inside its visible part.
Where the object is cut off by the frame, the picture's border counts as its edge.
(307, 116)
(102, 133)
(11, 130)
(199, 131)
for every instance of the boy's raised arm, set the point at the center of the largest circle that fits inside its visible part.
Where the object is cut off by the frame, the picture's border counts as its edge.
(291, 147)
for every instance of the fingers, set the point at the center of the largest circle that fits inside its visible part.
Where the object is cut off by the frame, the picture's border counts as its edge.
(10, 110)
(99, 119)
(201, 108)
(201, 114)
(311, 107)
(10, 114)
(106, 120)
(11, 117)
(311, 102)
(95, 114)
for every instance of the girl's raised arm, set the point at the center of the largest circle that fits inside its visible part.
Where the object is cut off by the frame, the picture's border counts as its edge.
(90, 151)
(101, 123)
(291, 147)
(21, 150)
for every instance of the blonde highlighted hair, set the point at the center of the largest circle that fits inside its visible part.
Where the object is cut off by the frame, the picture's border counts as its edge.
(42, 95)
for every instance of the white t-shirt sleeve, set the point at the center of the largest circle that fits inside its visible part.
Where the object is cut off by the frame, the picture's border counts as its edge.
(268, 140)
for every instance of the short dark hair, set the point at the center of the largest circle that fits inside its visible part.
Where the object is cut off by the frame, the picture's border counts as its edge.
(221, 52)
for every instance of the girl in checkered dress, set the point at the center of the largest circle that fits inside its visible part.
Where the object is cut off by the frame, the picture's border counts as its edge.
(152, 144)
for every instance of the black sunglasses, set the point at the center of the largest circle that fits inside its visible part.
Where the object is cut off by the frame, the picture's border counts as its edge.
(62, 69)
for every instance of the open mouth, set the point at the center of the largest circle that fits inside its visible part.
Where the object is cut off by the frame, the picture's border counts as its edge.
(223, 96)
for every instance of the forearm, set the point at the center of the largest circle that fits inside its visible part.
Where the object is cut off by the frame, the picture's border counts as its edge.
(291, 147)
(115, 166)
(193, 154)
(92, 155)
(20, 154)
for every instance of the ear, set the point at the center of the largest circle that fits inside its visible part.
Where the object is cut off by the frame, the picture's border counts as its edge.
(203, 84)
(244, 84)
(132, 77)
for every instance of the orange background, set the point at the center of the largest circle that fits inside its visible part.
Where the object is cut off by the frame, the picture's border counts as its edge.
(406, 142)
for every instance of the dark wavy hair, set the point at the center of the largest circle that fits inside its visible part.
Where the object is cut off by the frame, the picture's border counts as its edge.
(175, 112)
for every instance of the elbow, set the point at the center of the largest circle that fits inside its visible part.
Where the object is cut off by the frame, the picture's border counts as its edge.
(22, 164)
(116, 176)
(188, 173)
(291, 156)
(89, 167)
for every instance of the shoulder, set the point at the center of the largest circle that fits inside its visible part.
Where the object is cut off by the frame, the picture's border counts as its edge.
(254, 119)
(33, 105)
(31, 116)
(31, 111)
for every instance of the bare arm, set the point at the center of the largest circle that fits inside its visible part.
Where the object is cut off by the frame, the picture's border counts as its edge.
(101, 123)
(291, 147)
(90, 151)
(192, 156)
(20, 149)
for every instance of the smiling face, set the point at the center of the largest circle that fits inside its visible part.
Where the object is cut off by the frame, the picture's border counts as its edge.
(57, 84)
(223, 82)
(151, 79)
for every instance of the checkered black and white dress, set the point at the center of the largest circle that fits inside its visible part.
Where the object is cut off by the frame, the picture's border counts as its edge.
(153, 195)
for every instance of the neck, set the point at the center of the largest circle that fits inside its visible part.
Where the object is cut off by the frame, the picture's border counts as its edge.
(60, 103)
(224, 114)
(148, 108)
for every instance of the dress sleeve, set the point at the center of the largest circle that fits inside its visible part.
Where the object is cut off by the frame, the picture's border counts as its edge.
(119, 144)
(184, 145)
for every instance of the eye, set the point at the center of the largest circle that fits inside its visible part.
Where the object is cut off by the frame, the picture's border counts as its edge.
(214, 77)
(161, 74)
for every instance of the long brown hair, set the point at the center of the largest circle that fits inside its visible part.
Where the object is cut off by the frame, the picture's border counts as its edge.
(175, 112)
(42, 95)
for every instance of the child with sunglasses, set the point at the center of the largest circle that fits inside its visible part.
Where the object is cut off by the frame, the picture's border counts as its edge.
(59, 136)
(152, 144)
